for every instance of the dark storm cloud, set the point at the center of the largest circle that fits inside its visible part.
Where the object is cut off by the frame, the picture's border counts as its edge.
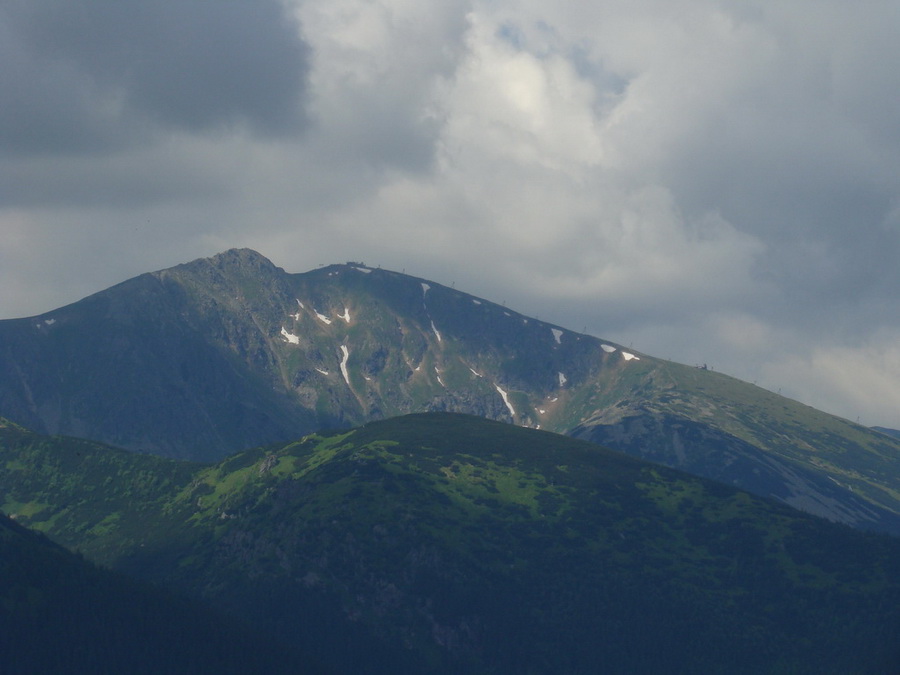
(119, 180)
(82, 76)
(819, 186)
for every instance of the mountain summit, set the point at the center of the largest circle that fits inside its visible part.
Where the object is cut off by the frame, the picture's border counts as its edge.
(223, 353)
(229, 352)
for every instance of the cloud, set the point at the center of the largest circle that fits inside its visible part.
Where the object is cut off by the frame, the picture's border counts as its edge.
(855, 381)
(87, 77)
(376, 66)
(711, 181)
(525, 177)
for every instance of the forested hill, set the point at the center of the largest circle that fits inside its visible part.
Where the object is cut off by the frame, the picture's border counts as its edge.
(62, 614)
(445, 543)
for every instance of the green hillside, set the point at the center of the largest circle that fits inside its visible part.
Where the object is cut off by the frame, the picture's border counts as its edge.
(89, 496)
(716, 426)
(449, 543)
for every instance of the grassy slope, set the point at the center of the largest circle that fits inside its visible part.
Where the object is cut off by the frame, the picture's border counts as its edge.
(851, 456)
(92, 497)
(849, 453)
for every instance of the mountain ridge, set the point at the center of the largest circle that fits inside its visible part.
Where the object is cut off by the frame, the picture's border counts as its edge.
(224, 353)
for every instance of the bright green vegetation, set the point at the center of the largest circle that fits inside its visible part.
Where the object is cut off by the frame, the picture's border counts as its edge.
(449, 543)
(98, 499)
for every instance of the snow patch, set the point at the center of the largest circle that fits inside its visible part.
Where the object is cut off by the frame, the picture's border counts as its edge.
(295, 317)
(300, 303)
(324, 372)
(346, 353)
(557, 335)
(505, 398)
(441, 382)
(364, 270)
(609, 349)
(476, 373)
(628, 356)
(322, 317)
(541, 410)
(290, 337)
(438, 335)
(425, 288)
(477, 302)
(49, 322)
(346, 315)
(562, 380)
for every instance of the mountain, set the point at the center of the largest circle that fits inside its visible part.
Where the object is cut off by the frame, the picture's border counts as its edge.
(231, 352)
(61, 614)
(444, 543)
(890, 432)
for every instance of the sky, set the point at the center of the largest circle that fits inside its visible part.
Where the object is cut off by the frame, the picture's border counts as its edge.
(705, 181)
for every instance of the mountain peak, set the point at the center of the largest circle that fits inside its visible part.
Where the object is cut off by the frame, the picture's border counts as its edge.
(244, 258)
(234, 266)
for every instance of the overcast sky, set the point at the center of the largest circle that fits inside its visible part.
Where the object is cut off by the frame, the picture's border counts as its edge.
(708, 181)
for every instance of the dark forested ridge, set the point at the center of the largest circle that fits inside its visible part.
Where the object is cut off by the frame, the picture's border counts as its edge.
(62, 614)
(447, 543)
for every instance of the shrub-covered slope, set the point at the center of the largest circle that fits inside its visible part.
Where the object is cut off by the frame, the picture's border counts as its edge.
(449, 543)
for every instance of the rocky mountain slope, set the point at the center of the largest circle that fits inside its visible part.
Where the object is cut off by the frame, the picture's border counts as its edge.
(446, 543)
(225, 353)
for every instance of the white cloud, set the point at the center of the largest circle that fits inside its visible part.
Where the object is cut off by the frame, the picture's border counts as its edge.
(851, 381)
